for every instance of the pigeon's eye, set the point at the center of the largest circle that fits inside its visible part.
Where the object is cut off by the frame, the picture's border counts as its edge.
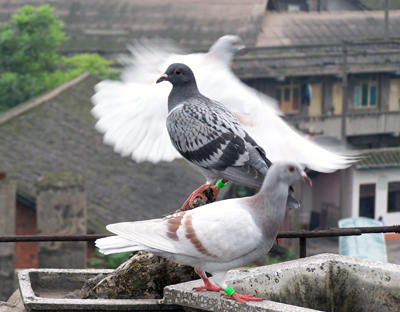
(235, 43)
(178, 72)
(291, 169)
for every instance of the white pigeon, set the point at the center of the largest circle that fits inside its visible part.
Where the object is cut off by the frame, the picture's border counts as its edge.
(132, 113)
(216, 237)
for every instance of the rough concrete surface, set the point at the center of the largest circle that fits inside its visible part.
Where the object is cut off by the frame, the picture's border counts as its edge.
(325, 282)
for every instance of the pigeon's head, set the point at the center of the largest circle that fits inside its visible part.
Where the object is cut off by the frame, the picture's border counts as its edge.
(178, 74)
(288, 172)
(226, 47)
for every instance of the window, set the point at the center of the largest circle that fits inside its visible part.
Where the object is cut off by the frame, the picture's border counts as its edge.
(367, 201)
(365, 94)
(288, 96)
(393, 197)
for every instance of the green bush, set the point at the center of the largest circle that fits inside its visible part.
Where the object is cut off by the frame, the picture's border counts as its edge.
(29, 60)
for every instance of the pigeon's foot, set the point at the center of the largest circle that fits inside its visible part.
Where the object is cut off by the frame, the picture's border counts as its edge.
(207, 283)
(208, 286)
(198, 192)
(243, 298)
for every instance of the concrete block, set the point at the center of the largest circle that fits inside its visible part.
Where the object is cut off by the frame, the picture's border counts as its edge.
(61, 210)
(50, 289)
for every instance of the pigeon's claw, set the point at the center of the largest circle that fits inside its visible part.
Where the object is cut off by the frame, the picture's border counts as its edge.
(243, 298)
(198, 192)
(208, 286)
(207, 283)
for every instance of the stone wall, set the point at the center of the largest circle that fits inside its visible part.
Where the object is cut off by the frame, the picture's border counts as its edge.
(61, 210)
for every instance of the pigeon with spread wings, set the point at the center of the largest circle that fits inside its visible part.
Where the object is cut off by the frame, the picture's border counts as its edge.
(132, 113)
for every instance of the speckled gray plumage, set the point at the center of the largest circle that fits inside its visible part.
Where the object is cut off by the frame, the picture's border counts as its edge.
(209, 136)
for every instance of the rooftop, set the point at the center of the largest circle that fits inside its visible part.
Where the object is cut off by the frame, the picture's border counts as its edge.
(110, 25)
(312, 28)
(55, 133)
(384, 158)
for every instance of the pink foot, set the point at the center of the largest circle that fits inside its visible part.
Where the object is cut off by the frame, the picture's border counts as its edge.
(207, 284)
(243, 298)
(198, 192)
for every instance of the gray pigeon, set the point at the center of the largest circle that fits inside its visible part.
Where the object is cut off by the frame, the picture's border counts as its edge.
(211, 138)
(216, 237)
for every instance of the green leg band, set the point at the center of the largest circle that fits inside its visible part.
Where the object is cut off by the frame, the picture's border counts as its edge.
(220, 184)
(229, 291)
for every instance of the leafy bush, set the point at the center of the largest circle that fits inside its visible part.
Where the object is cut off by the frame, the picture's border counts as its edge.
(30, 42)
(29, 60)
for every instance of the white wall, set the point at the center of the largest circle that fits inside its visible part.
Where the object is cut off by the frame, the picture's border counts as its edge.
(381, 178)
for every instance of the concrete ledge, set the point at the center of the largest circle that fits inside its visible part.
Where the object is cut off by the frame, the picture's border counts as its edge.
(45, 289)
(325, 282)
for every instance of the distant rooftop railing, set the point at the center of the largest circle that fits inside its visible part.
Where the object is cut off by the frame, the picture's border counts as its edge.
(302, 235)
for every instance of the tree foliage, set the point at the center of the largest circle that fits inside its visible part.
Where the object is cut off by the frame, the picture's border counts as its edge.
(30, 63)
(29, 44)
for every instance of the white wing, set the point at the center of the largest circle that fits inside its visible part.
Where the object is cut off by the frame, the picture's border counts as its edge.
(133, 113)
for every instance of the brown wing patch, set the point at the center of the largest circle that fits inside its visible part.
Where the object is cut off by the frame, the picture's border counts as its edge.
(173, 224)
(191, 235)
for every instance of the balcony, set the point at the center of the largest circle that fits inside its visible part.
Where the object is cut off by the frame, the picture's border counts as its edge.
(357, 123)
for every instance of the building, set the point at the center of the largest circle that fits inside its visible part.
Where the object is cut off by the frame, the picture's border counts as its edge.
(299, 52)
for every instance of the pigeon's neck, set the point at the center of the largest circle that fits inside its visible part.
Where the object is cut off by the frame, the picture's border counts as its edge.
(180, 94)
(270, 203)
(221, 56)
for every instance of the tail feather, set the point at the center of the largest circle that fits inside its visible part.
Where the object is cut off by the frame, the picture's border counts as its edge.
(116, 244)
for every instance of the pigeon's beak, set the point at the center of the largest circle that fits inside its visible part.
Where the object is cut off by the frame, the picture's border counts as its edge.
(162, 78)
(306, 178)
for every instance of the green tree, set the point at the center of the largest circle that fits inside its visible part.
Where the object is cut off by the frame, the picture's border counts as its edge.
(30, 43)
(30, 63)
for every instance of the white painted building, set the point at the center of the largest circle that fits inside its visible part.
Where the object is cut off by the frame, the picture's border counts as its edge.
(372, 189)
(376, 186)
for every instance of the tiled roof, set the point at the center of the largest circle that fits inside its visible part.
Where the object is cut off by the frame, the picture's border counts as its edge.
(111, 24)
(56, 133)
(380, 5)
(312, 28)
(379, 159)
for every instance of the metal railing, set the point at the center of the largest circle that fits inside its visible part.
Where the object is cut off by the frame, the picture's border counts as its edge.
(302, 235)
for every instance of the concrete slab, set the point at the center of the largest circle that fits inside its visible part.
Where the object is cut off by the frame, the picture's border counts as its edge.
(45, 290)
(325, 282)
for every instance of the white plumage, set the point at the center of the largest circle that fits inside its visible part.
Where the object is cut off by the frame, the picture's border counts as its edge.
(216, 237)
(132, 113)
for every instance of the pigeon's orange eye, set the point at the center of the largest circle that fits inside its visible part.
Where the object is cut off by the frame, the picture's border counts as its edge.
(291, 169)
(178, 72)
